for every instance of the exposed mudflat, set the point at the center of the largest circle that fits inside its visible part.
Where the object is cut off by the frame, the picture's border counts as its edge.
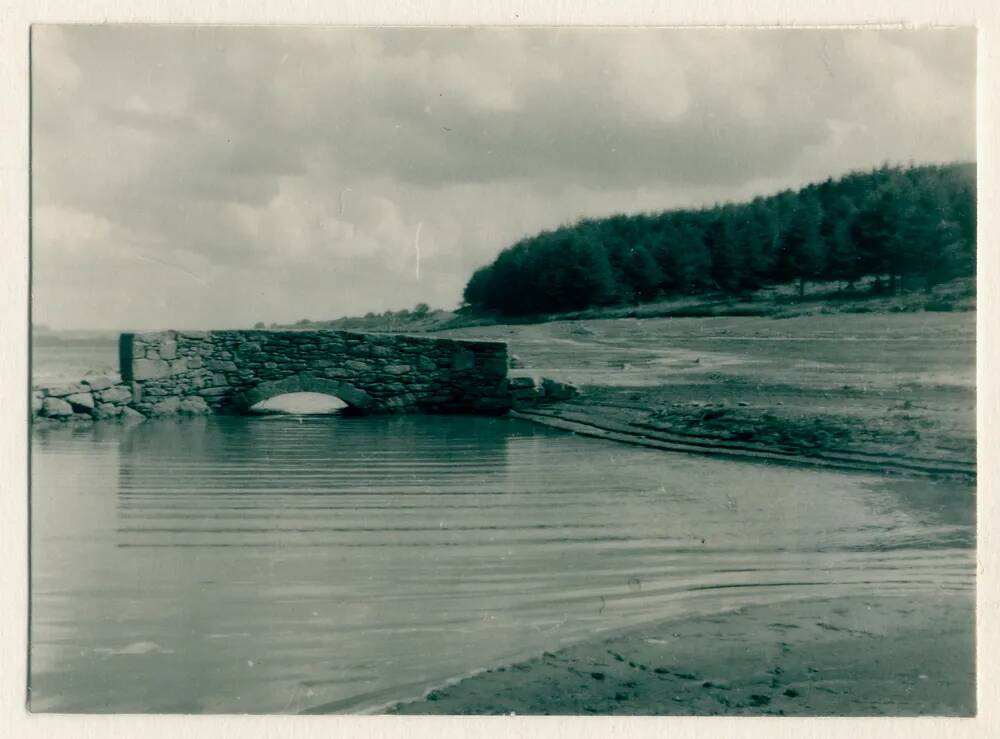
(860, 656)
(893, 392)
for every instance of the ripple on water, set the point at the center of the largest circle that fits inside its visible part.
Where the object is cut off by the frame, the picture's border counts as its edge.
(281, 563)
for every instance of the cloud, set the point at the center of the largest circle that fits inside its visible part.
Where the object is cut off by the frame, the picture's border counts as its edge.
(219, 176)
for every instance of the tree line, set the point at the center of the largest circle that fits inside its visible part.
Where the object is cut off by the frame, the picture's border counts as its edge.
(912, 226)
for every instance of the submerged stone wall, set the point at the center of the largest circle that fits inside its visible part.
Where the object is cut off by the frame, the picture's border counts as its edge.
(196, 372)
(95, 397)
(230, 371)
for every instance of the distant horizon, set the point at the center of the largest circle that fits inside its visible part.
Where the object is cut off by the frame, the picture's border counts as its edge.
(456, 306)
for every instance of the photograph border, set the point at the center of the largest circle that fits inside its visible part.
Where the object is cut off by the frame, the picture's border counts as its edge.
(15, 23)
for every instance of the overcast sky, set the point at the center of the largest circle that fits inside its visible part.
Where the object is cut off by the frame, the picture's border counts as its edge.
(207, 177)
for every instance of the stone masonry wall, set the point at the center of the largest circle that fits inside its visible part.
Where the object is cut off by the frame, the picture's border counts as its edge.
(229, 371)
(96, 397)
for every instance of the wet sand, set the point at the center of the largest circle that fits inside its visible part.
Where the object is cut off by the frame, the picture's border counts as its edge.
(861, 656)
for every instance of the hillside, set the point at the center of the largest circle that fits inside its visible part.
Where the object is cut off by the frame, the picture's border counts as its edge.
(912, 228)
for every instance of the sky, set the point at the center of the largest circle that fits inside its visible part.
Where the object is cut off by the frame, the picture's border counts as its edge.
(211, 177)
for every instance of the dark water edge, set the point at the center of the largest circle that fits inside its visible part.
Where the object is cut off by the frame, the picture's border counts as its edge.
(275, 564)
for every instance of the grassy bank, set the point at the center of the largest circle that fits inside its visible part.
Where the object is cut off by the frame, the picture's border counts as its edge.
(777, 301)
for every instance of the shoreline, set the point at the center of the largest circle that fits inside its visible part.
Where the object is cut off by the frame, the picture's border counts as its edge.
(891, 394)
(899, 655)
(578, 419)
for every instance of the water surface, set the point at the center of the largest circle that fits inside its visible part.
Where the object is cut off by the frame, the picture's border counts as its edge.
(275, 564)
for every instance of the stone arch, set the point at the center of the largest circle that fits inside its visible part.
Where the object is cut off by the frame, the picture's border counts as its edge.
(230, 371)
(305, 382)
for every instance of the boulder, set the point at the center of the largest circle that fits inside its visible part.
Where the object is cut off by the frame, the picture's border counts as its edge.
(193, 406)
(56, 408)
(118, 394)
(131, 415)
(108, 410)
(99, 382)
(81, 401)
(555, 390)
(166, 407)
(61, 391)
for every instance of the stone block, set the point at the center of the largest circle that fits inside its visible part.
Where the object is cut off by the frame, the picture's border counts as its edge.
(81, 401)
(426, 364)
(221, 365)
(150, 337)
(193, 406)
(178, 366)
(495, 366)
(555, 390)
(166, 407)
(515, 383)
(168, 349)
(397, 369)
(99, 382)
(61, 391)
(108, 410)
(149, 369)
(153, 353)
(56, 408)
(463, 360)
(357, 365)
(194, 362)
(118, 394)
(131, 415)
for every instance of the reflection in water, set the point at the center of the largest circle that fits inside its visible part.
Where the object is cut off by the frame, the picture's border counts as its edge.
(277, 563)
(301, 403)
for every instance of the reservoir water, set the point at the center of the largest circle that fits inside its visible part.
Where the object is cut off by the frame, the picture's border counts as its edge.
(280, 563)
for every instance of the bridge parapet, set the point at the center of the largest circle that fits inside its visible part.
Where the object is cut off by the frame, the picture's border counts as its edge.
(229, 371)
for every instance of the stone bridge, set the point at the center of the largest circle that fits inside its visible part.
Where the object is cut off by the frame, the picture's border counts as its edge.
(230, 371)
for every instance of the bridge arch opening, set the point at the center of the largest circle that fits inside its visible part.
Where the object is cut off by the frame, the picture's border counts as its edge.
(302, 404)
(305, 388)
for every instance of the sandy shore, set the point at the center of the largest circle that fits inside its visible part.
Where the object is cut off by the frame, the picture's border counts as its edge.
(861, 656)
